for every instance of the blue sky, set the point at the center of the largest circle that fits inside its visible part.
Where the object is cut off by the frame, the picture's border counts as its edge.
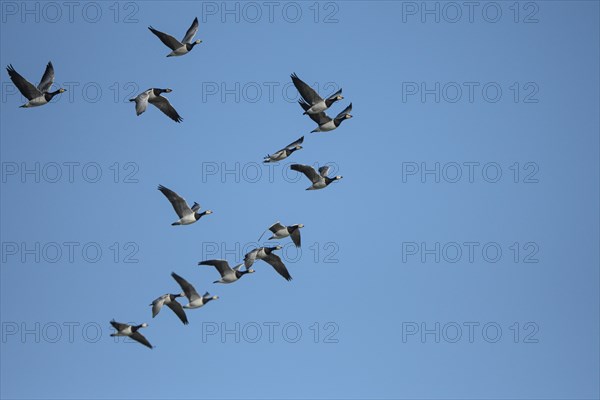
(469, 202)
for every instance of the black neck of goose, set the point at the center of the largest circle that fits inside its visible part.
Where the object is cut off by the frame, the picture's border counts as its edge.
(239, 273)
(135, 328)
(329, 180)
(338, 121)
(50, 95)
(207, 299)
(190, 46)
(199, 215)
(290, 151)
(157, 92)
(292, 228)
(330, 101)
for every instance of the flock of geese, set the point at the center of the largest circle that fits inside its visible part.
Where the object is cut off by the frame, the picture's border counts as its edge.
(313, 105)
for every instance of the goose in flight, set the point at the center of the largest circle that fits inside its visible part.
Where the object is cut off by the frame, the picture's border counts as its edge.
(319, 180)
(170, 301)
(153, 96)
(266, 254)
(280, 231)
(195, 300)
(285, 152)
(36, 96)
(131, 331)
(179, 48)
(325, 122)
(316, 104)
(228, 274)
(186, 214)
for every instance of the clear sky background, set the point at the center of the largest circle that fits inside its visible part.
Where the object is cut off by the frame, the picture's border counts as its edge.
(365, 280)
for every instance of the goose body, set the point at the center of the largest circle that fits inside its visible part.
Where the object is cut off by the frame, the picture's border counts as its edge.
(153, 96)
(316, 104)
(131, 331)
(319, 180)
(195, 300)
(280, 231)
(36, 95)
(285, 152)
(228, 274)
(169, 300)
(179, 48)
(266, 254)
(187, 215)
(326, 123)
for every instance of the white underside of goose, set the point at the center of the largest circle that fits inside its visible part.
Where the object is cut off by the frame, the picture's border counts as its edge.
(317, 108)
(195, 304)
(229, 278)
(280, 155)
(38, 101)
(179, 52)
(319, 185)
(328, 126)
(187, 220)
(125, 332)
(280, 234)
